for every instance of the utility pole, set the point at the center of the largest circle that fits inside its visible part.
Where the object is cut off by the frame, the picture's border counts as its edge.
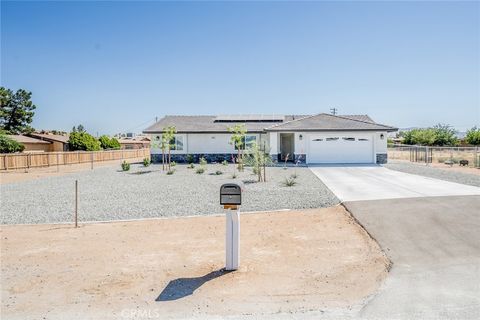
(333, 111)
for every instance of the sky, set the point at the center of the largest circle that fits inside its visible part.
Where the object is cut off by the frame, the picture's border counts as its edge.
(115, 66)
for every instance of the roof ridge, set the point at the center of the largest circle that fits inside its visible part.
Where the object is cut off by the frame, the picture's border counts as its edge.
(367, 122)
(289, 121)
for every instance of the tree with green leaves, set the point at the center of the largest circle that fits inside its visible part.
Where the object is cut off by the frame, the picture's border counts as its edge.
(438, 135)
(168, 138)
(8, 145)
(473, 136)
(83, 141)
(237, 139)
(16, 111)
(258, 159)
(109, 143)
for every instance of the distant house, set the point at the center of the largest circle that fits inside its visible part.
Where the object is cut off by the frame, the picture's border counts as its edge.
(32, 144)
(320, 138)
(59, 142)
(137, 142)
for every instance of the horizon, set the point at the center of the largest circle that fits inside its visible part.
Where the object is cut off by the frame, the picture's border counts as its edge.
(99, 65)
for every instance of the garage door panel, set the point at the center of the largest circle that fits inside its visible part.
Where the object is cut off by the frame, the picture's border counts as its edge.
(340, 149)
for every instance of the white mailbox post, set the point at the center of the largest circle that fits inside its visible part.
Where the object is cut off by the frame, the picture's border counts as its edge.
(231, 199)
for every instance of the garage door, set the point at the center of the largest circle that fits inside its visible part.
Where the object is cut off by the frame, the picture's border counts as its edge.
(340, 149)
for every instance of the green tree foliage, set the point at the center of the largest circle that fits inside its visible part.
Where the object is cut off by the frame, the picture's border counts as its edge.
(237, 139)
(257, 159)
(439, 135)
(109, 143)
(473, 136)
(83, 141)
(169, 141)
(8, 145)
(16, 111)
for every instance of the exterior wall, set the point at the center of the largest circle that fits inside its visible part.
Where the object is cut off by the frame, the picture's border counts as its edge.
(37, 147)
(58, 146)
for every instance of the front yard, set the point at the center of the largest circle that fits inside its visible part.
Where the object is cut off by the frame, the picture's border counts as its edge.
(145, 192)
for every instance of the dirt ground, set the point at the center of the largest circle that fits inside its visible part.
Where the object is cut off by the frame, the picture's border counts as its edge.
(291, 262)
(36, 173)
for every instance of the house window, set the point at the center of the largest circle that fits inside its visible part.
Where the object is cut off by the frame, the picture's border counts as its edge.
(348, 139)
(247, 142)
(331, 139)
(362, 139)
(177, 143)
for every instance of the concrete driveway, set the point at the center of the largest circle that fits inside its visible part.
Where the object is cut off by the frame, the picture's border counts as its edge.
(373, 182)
(434, 244)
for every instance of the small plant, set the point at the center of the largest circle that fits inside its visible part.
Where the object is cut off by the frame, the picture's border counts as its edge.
(170, 172)
(191, 166)
(173, 164)
(289, 182)
(234, 176)
(203, 161)
(218, 172)
(125, 166)
(189, 158)
(146, 162)
(225, 162)
(200, 170)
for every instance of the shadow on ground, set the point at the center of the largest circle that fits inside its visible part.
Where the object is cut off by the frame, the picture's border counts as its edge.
(183, 287)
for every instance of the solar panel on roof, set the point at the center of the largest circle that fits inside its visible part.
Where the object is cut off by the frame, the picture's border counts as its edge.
(250, 118)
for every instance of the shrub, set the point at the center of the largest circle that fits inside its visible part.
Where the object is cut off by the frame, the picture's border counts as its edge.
(191, 166)
(146, 162)
(200, 170)
(218, 172)
(83, 141)
(109, 143)
(173, 163)
(203, 161)
(473, 136)
(8, 145)
(225, 162)
(189, 158)
(289, 182)
(170, 172)
(438, 135)
(125, 166)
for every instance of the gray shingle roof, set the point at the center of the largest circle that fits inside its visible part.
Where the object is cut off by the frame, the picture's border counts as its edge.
(199, 124)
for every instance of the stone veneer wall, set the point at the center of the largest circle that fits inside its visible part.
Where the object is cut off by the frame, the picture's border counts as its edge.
(183, 158)
(382, 158)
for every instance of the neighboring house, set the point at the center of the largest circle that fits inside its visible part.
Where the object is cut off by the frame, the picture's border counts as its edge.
(321, 138)
(59, 142)
(137, 142)
(32, 144)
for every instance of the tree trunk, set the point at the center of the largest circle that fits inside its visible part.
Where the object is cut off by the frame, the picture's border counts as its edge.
(169, 160)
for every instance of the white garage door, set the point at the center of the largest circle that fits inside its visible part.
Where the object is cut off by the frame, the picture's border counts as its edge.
(341, 148)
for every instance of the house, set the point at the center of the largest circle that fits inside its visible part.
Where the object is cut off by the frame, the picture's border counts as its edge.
(32, 144)
(59, 142)
(137, 142)
(320, 138)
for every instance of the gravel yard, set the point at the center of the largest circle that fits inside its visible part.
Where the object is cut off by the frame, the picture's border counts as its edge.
(110, 194)
(443, 174)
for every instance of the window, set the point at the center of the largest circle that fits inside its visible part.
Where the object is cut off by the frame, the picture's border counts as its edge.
(362, 139)
(331, 139)
(348, 139)
(248, 141)
(177, 143)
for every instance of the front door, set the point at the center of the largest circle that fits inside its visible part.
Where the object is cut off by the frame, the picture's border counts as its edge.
(287, 146)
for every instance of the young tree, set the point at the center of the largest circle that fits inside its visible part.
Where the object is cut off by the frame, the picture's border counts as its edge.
(16, 111)
(169, 140)
(258, 158)
(473, 136)
(237, 139)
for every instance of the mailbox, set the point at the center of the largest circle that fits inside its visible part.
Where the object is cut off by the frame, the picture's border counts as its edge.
(230, 194)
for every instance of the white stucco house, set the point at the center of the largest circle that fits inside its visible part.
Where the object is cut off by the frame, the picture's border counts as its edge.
(320, 138)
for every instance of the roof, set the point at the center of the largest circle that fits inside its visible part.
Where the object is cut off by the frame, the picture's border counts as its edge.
(330, 122)
(261, 123)
(199, 124)
(50, 137)
(132, 141)
(25, 139)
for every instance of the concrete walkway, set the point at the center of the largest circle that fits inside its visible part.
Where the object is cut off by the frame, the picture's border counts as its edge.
(373, 182)
(434, 244)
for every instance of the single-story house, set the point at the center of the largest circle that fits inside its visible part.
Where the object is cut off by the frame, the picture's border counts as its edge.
(59, 142)
(320, 138)
(32, 144)
(137, 142)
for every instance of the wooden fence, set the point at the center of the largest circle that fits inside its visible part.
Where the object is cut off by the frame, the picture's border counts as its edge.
(14, 161)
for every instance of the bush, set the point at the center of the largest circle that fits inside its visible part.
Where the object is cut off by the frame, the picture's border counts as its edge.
(8, 145)
(218, 172)
(189, 158)
(191, 166)
(200, 170)
(83, 141)
(125, 166)
(473, 136)
(109, 143)
(439, 135)
(146, 162)
(203, 161)
(173, 163)
(225, 162)
(289, 182)
(170, 172)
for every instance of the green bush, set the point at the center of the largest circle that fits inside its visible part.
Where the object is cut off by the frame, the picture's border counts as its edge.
(146, 162)
(109, 143)
(189, 158)
(8, 145)
(218, 172)
(173, 163)
(203, 161)
(439, 135)
(289, 182)
(170, 172)
(125, 166)
(225, 162)
(200, 170)
(473, 136)
(191, 166)
(83, 141)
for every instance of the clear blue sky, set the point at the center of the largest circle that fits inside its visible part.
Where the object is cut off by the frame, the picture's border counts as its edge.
(114, 66)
